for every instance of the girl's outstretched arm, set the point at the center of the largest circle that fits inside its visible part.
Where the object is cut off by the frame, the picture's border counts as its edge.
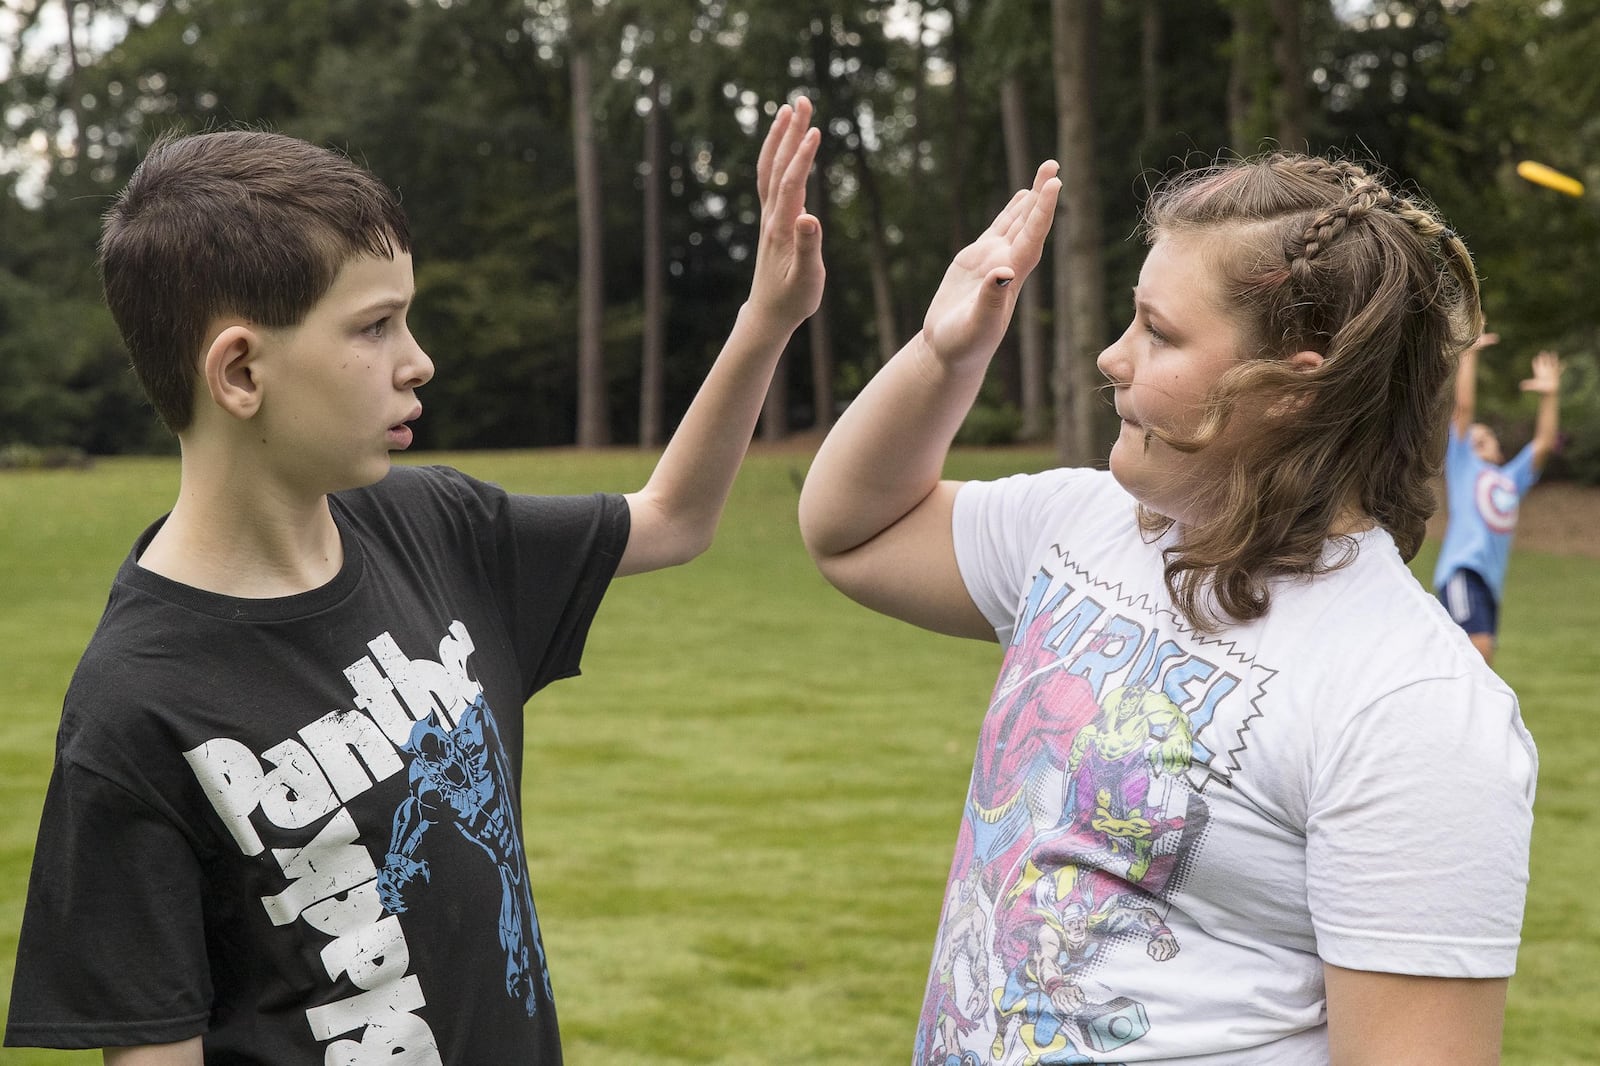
(874, 513)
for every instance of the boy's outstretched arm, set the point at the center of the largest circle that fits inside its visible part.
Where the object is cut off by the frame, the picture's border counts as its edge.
(1467, 383)
(874, 513)
(186, 1053)
(675, 515)
(1546, 381)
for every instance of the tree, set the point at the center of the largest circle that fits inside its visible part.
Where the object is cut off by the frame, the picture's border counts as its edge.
(652, 384)
(1029, 327)
(594, 422)
(1289, 87)
(1079, 269)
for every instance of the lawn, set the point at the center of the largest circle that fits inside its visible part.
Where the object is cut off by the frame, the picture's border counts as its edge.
(739, 819)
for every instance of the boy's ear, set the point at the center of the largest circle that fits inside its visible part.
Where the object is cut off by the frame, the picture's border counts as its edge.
(229, 370)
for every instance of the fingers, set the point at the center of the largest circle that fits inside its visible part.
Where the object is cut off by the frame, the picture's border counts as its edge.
(769, 149)
(1016, 213)
(808, 239)
(1010, 213)
(996, 287)
(1029, 230)
(1043, 215)
(790, 194)
(786, 144)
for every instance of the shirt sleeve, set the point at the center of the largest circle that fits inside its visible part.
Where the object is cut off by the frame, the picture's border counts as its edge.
(549, 561)
(1418, 833)
(1522, 471)
(112, 951)
(997, 528)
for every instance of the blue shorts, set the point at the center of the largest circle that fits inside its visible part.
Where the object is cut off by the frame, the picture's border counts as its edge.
(1467, 597)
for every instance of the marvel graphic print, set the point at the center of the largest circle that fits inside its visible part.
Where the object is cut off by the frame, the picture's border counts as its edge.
(1086, 804)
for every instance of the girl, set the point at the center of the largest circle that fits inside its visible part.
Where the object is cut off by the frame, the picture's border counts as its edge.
(1243, 794)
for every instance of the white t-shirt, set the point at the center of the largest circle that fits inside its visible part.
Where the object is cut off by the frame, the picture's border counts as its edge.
(1167, 833)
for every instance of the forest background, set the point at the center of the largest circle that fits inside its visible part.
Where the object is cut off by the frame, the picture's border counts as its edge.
(579, 177)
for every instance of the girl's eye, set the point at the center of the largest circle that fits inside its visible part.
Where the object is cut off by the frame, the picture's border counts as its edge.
(378, 328)
(1156, 336)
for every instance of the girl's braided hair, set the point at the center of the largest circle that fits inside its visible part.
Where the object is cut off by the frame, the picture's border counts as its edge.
(1315, 255)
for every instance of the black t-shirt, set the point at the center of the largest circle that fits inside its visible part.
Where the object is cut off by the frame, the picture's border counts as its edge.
(294, 824)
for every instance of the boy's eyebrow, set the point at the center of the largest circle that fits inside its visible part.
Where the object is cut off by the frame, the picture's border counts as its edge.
(386, 303)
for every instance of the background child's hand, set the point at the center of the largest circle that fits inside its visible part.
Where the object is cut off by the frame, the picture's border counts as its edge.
(789, 271)
(1546, 378)
(973, 306)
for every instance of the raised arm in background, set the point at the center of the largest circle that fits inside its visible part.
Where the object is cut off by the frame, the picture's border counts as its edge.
(1467, 383)
(1546, 381)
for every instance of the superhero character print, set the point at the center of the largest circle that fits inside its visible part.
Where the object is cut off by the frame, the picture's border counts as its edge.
(1084, 806)
(460, 779)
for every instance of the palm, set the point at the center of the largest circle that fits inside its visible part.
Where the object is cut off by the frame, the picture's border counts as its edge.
(952, 324)
(788, 272)
(1546, 378)
(969, 313)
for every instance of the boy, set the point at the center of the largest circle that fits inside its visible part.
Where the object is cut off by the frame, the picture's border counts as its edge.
(283, 821)
(1484, 493)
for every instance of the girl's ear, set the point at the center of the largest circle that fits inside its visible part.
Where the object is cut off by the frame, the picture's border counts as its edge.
(1303, 362)
(229, 371)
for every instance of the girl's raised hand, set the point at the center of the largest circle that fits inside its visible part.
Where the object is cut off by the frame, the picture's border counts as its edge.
(973, 306)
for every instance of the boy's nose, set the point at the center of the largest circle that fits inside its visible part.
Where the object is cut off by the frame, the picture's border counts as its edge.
(418, 369)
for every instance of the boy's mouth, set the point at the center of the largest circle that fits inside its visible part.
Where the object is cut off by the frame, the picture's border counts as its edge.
(400, 435)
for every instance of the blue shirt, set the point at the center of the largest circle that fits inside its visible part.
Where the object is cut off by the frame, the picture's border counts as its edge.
(1482, 502)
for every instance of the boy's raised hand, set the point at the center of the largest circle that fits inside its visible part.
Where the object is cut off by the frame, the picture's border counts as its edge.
(789, 272)
(973, 306)
(1546, 378)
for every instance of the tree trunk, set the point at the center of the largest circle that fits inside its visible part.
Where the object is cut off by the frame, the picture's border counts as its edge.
(80, 137)
(885, 322)
(652, 388)
(1249, 79)
(1030, 329)
(955, 167)
(1289, 91)
(1150, 65)
(1080, 270)
(819, 328)
(919, 103)
(594, 426)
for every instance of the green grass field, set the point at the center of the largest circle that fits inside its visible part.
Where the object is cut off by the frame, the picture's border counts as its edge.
(740, 818)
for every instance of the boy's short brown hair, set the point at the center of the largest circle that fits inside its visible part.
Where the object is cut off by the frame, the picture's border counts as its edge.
(236, 222)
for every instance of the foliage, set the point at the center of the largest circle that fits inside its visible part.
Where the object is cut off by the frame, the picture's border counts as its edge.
(992, 421)
(463, 106)
(741, 815)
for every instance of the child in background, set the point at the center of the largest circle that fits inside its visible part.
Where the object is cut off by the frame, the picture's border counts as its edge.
(1483, 495)
(284, 822)
(1244, 794)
